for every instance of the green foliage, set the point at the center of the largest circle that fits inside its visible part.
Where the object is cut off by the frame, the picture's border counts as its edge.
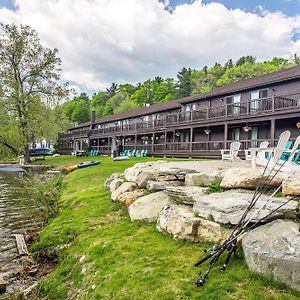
(130, 260)
(29, 75)
(44, 190)
(215, 187)
(184, 87)
(298, 210)
(124, 97)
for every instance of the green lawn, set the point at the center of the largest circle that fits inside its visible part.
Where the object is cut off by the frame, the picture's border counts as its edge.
(126, 260)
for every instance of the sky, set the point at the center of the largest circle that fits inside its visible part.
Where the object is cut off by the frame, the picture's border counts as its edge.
(105, 41)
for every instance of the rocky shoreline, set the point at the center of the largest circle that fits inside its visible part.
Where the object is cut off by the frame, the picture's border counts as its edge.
(178, 198)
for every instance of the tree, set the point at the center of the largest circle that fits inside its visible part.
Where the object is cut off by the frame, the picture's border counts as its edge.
(29, 75)
(184, 83)
(112, 90)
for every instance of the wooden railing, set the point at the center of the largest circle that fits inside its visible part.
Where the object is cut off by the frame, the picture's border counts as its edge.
(248, 108)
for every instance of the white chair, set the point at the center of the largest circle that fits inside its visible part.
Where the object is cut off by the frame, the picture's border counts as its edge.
(232, 152)
(262, 145)
(272, 159)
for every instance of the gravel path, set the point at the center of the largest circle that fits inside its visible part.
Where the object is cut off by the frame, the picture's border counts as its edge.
(205, 165)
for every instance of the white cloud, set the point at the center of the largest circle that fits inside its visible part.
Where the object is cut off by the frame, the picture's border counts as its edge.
(104, 41)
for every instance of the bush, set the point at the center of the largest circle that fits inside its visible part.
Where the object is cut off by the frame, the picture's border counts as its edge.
(215, 187)
(44, 190)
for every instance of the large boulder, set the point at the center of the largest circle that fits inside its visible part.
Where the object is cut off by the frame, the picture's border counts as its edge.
(249, 178)
(123, 188)
(202, 179)
(110, 179)
(132, 173)
(115, 183)
(129, 197)
(228, 207)
(161, 174)
(291, 187)
(155, 186)
(147, 208)
(186, 194)
(180, 221)
(274, 250)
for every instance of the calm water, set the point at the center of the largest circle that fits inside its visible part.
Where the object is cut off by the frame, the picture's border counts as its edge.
(14, 218)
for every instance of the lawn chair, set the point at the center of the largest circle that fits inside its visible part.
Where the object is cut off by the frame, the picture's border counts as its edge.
(146, 153)
(232, 152)
(262, 145)
(274, 160)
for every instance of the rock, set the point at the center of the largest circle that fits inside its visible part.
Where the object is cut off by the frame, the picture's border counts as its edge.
(143, 178)
(292, 186)
(249, 178)
(155, 186)
(82, 259)
(180, 221)
(110, 179)
(123, 188)
(3, 285)
(129, 197)
(202, 179)
(115, 183)
(228, 207)
(147, 208)
(274, 250)
(161, 174)
(186, 194)
(132, 173)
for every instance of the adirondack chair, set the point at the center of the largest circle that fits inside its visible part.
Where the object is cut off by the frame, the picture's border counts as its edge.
(274, 160)
(262, 145)
(232, 152)
(270, 156)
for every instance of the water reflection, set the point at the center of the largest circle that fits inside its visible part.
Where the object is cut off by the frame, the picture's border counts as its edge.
(14, 218)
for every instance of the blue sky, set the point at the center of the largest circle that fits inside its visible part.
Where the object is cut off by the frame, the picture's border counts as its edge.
(288, 7)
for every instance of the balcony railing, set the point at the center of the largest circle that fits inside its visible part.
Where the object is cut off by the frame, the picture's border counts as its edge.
(234, 110)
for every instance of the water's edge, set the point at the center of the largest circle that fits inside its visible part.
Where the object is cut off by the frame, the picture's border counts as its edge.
(15, 217)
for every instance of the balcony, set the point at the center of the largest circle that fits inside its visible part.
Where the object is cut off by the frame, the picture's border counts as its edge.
(250, 108)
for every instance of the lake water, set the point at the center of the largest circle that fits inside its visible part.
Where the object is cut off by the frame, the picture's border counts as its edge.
(15, 217)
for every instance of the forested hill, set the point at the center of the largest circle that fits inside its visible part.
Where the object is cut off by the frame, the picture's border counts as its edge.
(123, 97)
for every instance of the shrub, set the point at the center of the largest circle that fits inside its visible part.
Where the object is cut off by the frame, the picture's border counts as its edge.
(44, 190)
(215, 187)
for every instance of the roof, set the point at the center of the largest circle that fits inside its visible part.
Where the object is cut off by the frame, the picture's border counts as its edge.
(135, 112)
(253, 82)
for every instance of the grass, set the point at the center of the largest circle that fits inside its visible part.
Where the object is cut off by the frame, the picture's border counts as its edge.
(126, 260)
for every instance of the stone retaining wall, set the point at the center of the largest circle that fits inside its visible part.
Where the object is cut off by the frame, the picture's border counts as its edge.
(178, 201)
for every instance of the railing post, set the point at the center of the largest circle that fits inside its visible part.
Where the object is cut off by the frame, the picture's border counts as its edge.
(273, 103)
(191, 140)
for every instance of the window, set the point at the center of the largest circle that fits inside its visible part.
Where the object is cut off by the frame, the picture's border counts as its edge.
(233, 103)
(255, 97)
(235, 135)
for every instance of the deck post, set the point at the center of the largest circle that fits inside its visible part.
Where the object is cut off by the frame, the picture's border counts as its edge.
(153, 140)
(135, 141)
(272, 132)
(165, 146)
(225, 135)
(191, 139)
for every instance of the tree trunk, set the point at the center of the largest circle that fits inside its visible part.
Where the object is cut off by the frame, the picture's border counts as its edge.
(26, 155)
